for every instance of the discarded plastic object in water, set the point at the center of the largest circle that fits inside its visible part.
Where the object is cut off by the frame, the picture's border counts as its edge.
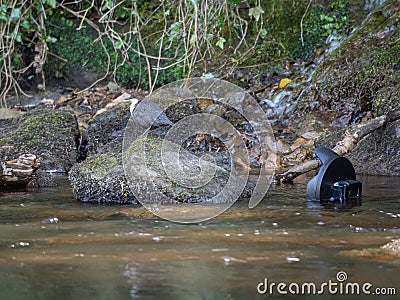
(335, 182)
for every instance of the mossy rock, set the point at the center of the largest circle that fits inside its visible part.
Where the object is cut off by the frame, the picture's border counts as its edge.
(101, 177)
(49, 134)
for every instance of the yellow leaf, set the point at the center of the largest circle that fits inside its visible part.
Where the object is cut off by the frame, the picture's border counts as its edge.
(284, 82)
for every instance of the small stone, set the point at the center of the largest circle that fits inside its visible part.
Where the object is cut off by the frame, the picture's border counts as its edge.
(23, 244)
(292, 259)
(311, 135)
(298, 143)
(112, 87)
(282, 147)
(122, 98)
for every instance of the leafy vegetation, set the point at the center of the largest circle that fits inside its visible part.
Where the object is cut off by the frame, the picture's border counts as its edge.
(136, 42)
(147, 44)
(323, 22)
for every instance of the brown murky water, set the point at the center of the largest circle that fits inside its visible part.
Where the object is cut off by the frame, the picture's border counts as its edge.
(52, 247)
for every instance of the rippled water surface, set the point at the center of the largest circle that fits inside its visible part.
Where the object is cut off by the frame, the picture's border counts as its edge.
(52, 247)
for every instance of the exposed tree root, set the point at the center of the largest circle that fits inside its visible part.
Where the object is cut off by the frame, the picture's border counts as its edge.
(342, 147)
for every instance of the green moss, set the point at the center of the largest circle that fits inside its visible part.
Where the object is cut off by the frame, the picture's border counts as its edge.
(33, 129)
(101, 164)
(363, 73)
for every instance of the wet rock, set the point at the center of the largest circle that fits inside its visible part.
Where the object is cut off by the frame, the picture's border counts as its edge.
(183, 109)
(279, 106)
(317, 122)
(185, 187)
(148, 114)
(311, 135)
(6, 113)
(49, 134)
(101, 177)
(79, 76)
(42, 180)
(106, 130)
(282, 147)
(389, 252)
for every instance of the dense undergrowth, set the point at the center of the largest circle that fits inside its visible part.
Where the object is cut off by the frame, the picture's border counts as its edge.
(146, 44)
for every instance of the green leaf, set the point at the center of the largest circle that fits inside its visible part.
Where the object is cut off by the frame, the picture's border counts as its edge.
(256, 12)
(51, 39)
(208, 76)
(51, 3)
(17, 58)
(220, 42)
(107, 5)
(119, 44)
(25, 24)
(263, 32)
(174, 30)
(3, 12)
(15, 14)
(193, 39)
(18, 37)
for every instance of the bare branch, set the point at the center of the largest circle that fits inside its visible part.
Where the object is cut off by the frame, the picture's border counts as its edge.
(342, 147)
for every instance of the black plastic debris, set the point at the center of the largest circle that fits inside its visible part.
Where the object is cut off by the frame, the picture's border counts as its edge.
(335, 182)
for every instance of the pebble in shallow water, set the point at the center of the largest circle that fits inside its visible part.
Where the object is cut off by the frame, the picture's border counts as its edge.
(53, 220)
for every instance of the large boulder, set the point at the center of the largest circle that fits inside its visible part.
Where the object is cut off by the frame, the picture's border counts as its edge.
(100, 178)
(49, 134)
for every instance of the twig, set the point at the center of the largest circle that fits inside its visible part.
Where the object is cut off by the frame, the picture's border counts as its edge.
(301, 23)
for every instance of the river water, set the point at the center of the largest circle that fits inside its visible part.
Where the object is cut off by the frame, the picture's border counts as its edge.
(52, 247)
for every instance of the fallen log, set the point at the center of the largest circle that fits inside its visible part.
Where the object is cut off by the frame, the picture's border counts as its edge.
(18, 172)
(342, 147)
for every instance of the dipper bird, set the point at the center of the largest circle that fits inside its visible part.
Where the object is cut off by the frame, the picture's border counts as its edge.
(147, 113)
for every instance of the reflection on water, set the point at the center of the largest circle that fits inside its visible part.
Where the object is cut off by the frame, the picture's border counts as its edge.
(52, 247)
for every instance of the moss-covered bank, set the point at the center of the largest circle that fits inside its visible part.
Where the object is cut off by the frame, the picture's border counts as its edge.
(360, 79)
